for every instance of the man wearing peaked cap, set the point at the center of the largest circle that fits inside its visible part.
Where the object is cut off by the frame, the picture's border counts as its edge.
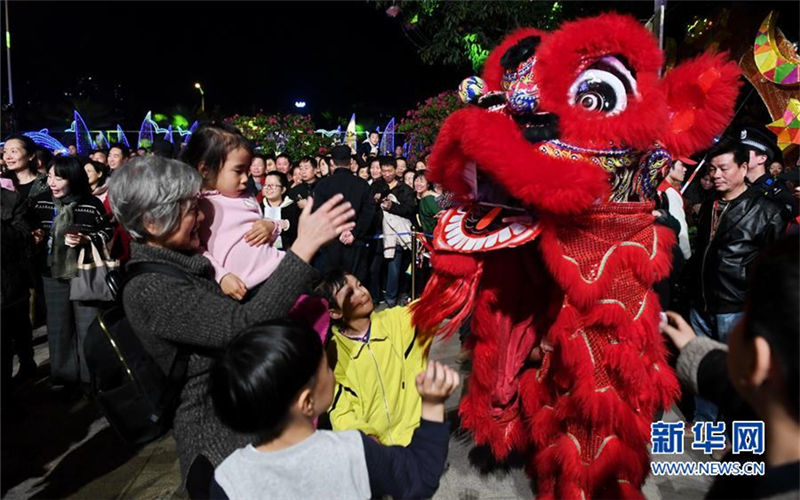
(763, 150)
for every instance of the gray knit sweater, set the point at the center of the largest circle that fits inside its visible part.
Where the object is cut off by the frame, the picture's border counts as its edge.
(165, 311)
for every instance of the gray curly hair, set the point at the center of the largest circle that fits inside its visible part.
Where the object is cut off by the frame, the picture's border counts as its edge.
(152, 190)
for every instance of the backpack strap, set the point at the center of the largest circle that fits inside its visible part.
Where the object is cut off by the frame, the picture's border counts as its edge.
(175, 379)
(116, 279)
(180, 364)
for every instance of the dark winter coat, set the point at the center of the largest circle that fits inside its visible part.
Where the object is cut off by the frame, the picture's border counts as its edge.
(748, 225)
(17, 246)
(355, 190)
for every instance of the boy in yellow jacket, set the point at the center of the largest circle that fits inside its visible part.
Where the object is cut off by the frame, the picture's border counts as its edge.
(377, 356)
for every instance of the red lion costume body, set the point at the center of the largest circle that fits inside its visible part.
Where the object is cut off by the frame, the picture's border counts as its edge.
(553, 245)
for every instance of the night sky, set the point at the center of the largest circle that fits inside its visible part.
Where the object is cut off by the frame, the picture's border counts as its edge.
(340, 57)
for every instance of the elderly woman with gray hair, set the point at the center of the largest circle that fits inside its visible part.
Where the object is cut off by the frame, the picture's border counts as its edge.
(155, 199)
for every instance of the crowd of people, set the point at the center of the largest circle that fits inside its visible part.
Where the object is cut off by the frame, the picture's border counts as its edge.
(250, 234)
(258, 236)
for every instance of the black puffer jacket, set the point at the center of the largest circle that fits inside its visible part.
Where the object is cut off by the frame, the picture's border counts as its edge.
(17, 246)
(721, 265)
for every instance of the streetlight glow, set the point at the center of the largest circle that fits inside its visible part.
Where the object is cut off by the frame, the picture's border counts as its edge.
(202, 96)
(300, 104)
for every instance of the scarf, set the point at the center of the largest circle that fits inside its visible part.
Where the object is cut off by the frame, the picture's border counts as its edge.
(100, 190)
(62, 260)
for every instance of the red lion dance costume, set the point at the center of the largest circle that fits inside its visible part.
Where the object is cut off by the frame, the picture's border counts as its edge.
(553, 247)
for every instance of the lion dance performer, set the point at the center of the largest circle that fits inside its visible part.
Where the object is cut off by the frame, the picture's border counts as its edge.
(553, 247)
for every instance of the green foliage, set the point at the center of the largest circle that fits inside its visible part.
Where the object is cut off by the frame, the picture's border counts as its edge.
(292, 134)
(440, 29)
(421, 125)
(475, 52)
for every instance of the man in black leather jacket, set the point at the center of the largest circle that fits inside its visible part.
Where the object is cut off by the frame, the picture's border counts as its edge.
(733, 227)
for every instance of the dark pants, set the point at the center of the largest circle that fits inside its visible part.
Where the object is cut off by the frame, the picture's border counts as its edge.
(376, 266)
(199, 478)
(351, 258)
(421, 277)
(718, 327)
(17, 335)
(67, 323)
(398, 283)
(38, 308)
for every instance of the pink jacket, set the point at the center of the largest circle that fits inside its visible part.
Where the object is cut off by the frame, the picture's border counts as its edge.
(222, 234)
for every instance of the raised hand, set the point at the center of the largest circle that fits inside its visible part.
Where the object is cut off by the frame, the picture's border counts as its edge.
(315, 229)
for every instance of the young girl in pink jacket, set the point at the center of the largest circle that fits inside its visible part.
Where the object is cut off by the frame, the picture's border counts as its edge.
(236, 239)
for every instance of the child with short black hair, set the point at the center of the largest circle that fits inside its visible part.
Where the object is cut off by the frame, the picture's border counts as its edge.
(272, 381)
(378, 353)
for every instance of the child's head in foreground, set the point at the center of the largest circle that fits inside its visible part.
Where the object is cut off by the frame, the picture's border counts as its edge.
(270, 375)
(348, 298)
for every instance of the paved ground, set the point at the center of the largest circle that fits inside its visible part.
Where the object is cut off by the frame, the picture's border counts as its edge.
(54, 446)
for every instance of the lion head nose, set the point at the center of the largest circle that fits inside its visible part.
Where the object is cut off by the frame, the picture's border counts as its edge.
(522, 87)
(523, 98)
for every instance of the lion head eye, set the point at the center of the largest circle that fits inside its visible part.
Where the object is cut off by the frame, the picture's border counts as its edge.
(604, 87)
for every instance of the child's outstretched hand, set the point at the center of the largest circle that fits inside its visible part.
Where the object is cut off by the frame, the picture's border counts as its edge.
(260, 233)
(233, 287)
(435, 385)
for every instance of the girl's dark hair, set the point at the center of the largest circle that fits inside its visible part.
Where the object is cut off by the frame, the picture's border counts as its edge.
(773, 311)
(421, 173)
(71, 169)
(261, 373)
(211, 143)
(126, 152)
(30, 148)
(281, 177)
(100, 168)
(43, 158)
